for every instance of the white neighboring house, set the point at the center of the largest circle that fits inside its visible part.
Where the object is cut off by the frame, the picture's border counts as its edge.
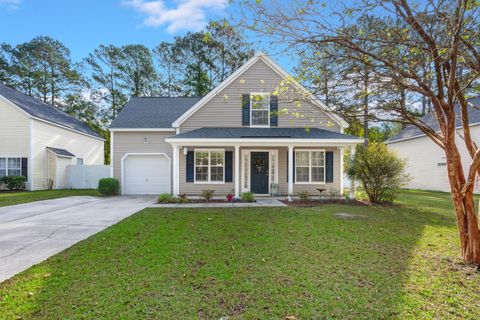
(426, 161)
(38, 141)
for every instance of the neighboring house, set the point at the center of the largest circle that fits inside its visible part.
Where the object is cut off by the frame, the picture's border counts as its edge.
(426, 163)
(38, 141)
(247, 134)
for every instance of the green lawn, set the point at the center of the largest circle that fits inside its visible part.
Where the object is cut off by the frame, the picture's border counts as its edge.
(11, 198)
(396, 262)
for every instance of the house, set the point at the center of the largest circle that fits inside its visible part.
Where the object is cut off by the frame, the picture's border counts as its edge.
(426, 162)
(258, 131)
(38, 141)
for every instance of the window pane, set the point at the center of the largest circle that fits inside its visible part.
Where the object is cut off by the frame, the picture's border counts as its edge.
(260, 117)
(217, 174)
(318, 174)
(260, 102)
(3, 163)
(201, 173)
(301, 174)
(318, 158)
(216, 158)
(201, 158)
(3, 173)
(14, 163)
(301, 159)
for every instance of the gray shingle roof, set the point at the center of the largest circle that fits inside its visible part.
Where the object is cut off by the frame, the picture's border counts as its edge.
(413, 132)
(265, 133)
(61, 152)
(44, 111)
(152, 112)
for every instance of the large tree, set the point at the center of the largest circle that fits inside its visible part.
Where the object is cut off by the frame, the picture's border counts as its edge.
(428, 48)
(105, 73)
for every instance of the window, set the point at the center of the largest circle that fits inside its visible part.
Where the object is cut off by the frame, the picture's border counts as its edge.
(209, 166)
(80, 161)
(259, 109)
(10, 167)
(309, 166)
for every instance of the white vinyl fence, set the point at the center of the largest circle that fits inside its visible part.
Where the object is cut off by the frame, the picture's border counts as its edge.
(86, 176)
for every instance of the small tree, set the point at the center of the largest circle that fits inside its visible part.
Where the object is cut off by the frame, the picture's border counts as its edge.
(379, 170)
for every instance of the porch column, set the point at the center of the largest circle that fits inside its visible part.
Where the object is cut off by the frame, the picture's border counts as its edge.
(340, 150)
(237, 171)
(352, 181)
(175, 169)
(290, 171)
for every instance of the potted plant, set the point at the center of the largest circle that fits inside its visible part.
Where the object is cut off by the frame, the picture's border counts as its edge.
(230, 197)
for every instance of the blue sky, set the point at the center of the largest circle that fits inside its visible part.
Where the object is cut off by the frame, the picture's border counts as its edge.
(82, 25)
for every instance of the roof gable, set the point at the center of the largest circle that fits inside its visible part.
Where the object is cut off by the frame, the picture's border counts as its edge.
(43, 111)
(275, 67)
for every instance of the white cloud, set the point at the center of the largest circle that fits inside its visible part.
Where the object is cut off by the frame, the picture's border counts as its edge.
(11, 5)
(189, 15)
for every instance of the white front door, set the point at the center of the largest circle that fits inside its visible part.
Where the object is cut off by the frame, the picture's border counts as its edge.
(146, 174)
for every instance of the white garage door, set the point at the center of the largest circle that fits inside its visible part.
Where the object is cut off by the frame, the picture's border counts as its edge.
(146, 174)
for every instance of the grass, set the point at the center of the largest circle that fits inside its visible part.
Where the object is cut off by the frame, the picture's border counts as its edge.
(395, 262)
(12, 198)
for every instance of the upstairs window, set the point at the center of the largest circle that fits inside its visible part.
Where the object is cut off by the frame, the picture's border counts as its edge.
(260, 109)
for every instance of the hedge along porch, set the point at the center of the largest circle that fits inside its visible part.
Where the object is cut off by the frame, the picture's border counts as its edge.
(279, 161)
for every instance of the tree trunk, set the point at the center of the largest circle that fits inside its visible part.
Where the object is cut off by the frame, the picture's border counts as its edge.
(464, 206)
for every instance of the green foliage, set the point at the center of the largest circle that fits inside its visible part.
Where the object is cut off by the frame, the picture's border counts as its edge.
(379, 170)
(207, 194)
(247, 197)
(304, 195)
(109, 186)
(13, 198)
(165, 198)
(14, 182)
(182, 198)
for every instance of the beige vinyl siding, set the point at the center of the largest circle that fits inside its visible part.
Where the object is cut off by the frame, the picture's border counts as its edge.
(224, 110)
(47, 135)
(133, 142)
(14, 131)
(191, 188)
(423, 156)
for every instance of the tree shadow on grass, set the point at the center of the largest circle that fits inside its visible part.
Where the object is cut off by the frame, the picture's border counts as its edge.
(241, 263)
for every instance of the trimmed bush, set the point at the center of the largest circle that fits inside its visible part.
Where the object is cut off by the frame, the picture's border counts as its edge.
(379, 170)
(304, 195)
(14, 182)
(108, 186)
(207, 194)
(182, 198)
(247, 197)
(165, 198)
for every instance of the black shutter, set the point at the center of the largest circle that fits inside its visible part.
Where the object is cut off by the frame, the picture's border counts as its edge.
(329, 166)
(274, 111)
(246, 110)
(228, 166)
(190, 166)
(25, 167)
(293, 165)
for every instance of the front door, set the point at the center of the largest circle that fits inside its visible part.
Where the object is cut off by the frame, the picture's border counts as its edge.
(259, 172)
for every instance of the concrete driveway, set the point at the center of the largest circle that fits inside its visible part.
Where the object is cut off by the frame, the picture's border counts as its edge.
(32, 232)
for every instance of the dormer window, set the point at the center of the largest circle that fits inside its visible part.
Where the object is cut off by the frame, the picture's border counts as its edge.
(260, 109)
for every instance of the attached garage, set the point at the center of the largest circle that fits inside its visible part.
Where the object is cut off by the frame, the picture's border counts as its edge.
(146, 174)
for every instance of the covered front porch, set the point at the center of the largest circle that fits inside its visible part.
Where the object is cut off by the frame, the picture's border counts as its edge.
(266, 162)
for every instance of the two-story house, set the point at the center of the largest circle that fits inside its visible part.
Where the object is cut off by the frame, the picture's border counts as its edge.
(258, 131)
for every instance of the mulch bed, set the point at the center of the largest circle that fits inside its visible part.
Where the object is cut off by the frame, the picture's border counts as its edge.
(316, 203)
(203, 201)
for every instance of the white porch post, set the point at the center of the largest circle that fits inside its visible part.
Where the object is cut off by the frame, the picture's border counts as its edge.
(341, 170)
(352, 181)
(237, 171)
(290, 171)
(175, 168)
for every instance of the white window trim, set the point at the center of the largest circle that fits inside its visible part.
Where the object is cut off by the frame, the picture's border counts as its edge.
(251, 109)
(209, 166)
(310, 166)
(6, 164)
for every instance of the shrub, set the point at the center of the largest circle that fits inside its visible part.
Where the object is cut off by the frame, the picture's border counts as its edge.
(379, 170)
(14, 182)
(165, 198)
(304, 195)
(207, 194)
(108, 186)
(247, 197)
(182, 198)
